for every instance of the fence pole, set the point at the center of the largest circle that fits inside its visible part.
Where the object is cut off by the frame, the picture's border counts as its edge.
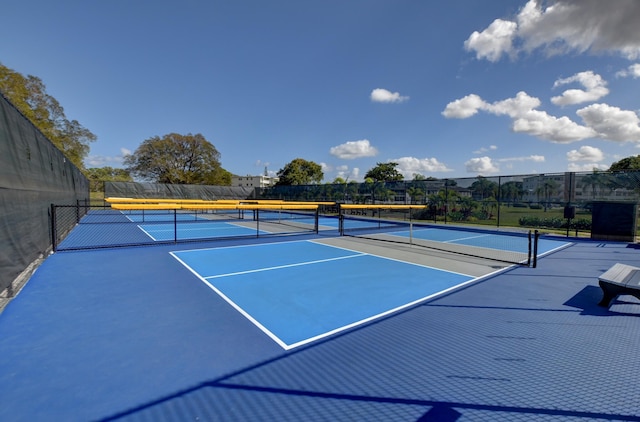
(54, 229)
(499, 198)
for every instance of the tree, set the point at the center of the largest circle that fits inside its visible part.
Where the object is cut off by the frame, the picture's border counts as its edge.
(384, 172)
(174, 158)
(547, 189)
(29, 95)
(300, 172)
(98, 175)
(511, 191)
(484, 188)
(626, 164)
(416, 193)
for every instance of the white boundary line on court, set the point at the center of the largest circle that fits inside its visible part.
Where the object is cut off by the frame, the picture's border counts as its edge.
(147, 233)
(285, 266)
(394, 310)
(234, 305)
(286, 346)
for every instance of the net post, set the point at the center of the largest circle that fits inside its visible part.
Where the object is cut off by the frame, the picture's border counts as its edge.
(175, 225)
(410, 228)
(529, 249)
(535, 248)
(340, 221)
(256, 216)
(316, 221)
(410, 232)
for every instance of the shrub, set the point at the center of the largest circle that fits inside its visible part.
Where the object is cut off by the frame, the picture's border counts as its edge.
(554, 223)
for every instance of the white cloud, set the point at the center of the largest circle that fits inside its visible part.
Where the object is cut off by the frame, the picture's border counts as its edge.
(464, 107)
(585, 153)
(494, 41)
(534, 158)
(611, 122)
(526, 119)
(481, 165)
(355, 173)
(380, 95)
(346, 173)
(107, 161)
(516, 107)
(595, 89)
(586, 167)
(482, 150)
(561, 27)
(632, 71)
(561, 130)
(354, 149)
(409, 166)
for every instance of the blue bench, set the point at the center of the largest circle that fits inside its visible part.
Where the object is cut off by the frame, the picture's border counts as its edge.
(621, 279)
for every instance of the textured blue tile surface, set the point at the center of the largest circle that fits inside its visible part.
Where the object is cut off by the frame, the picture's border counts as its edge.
(131, 335)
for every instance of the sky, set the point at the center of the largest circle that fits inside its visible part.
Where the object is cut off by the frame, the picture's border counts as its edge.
(455, 88)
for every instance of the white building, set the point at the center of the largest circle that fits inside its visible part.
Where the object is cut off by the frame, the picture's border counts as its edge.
(253, 181)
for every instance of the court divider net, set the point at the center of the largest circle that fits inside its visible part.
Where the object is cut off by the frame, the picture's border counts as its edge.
(137, 223)
(394, 224)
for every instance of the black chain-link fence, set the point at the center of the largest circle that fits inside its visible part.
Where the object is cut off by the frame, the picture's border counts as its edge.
(78, 227)
(560, 202)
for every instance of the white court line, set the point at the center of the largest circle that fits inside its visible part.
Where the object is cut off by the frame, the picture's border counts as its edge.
(147, 233)
(208, 228)
(234, 305)
(298, 264)
(466, 238)
(287, 346)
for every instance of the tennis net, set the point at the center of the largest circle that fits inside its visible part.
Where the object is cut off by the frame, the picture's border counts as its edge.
(394, 223)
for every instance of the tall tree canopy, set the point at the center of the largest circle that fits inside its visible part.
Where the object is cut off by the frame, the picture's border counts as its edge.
(300, 172)
(29, 95)
(98, 175)
(384, 172)
(178, 159)
(626, 164)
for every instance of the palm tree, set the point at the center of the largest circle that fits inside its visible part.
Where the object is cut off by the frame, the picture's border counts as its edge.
(547, 189)
(512, 191)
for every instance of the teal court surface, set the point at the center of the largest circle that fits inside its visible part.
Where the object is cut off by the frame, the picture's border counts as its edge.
(319, 328)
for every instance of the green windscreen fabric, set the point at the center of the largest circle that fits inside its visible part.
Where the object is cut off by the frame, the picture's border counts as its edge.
(33, 175)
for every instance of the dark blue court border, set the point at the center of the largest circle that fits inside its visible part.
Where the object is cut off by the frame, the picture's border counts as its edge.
(298, 292)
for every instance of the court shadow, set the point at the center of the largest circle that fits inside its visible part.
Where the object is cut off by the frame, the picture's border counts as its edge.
(587, 301)
(440, 413)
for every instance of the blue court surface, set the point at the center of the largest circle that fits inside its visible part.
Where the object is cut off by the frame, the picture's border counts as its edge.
(297, 292)
(314, 330)
(202, 230)
(480, 239)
